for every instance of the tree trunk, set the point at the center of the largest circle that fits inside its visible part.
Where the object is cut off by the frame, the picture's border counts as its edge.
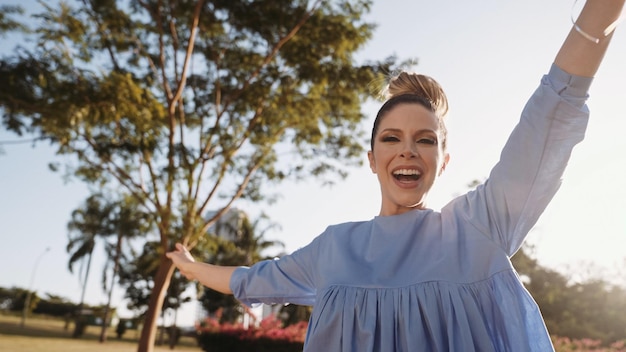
(79, 321)
(116, 264)
(161, 330)
(161, 283)
(174, 331)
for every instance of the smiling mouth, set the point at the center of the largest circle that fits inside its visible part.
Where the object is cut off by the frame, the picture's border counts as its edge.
(407, 175)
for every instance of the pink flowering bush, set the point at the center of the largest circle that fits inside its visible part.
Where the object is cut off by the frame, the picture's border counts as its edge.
(564, 344)
(269, 336)
(272, 336)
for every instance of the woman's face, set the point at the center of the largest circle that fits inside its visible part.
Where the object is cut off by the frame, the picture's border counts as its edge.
(407, 157)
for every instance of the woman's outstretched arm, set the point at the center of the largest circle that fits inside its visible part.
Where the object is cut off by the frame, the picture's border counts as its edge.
(212, 276)
(586, 44)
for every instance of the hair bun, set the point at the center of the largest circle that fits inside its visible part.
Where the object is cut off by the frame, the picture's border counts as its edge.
(418, 84)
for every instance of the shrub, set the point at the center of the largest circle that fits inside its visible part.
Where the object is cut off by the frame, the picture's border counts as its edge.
(269, 336)
(565, 344)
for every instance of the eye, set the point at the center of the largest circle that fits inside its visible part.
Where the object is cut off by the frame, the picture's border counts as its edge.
(429, 141)
(390, 139)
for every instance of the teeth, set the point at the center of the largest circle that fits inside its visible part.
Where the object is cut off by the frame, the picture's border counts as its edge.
(406, 172)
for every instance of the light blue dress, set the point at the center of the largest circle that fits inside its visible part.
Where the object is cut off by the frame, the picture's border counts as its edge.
(436, 280)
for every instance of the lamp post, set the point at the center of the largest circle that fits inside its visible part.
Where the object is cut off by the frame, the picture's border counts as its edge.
(29, 293)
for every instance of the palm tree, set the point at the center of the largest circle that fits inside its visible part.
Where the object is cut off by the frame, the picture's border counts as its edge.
(127, 222)
(84, 227)
(239, 242)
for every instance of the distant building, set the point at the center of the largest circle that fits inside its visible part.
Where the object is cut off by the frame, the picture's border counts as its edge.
(229, 221)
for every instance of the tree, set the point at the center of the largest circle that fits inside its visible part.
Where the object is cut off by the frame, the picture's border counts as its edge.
(8, 24)
(127, 223)
(137, 275)
(193, 105)
(85, 227)
(102, 218)
(239, 242)
(588, 309)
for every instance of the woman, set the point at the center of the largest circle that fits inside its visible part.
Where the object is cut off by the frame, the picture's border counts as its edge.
(413, 279)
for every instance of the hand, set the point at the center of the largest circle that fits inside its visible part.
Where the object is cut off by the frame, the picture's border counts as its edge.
(183, 260)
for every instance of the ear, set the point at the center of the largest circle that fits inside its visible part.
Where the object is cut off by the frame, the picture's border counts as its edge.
(446, 160)
(370, 157)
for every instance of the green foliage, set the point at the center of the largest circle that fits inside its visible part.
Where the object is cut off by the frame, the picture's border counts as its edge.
(13, 299)
(6, 22)
(137, 275)
(577, 310)
(100, 218)
(272, 73)
(239, 242)
(190, 106)
(85, 227)
(55, 306)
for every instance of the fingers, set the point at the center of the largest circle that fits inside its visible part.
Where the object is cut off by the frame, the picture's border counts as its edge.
(179, 248)
(180, 256)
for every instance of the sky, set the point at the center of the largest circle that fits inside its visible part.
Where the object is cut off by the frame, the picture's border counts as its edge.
(489, 57)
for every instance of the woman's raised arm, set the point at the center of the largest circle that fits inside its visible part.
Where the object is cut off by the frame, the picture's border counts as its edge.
(586, 44)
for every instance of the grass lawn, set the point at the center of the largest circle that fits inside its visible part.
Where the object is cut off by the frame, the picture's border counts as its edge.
(47, 334)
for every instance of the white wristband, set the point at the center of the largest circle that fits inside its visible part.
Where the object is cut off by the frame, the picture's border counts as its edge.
(608, 30)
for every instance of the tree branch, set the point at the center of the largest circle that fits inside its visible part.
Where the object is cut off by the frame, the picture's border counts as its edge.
(269, 57)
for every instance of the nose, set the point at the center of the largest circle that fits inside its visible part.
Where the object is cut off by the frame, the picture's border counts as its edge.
(409, 150)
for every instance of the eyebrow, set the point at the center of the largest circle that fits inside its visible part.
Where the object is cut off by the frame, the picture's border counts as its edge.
(424, 130)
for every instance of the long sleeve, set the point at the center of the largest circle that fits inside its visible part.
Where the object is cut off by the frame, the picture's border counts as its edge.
(532, 162)
(290, 279)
